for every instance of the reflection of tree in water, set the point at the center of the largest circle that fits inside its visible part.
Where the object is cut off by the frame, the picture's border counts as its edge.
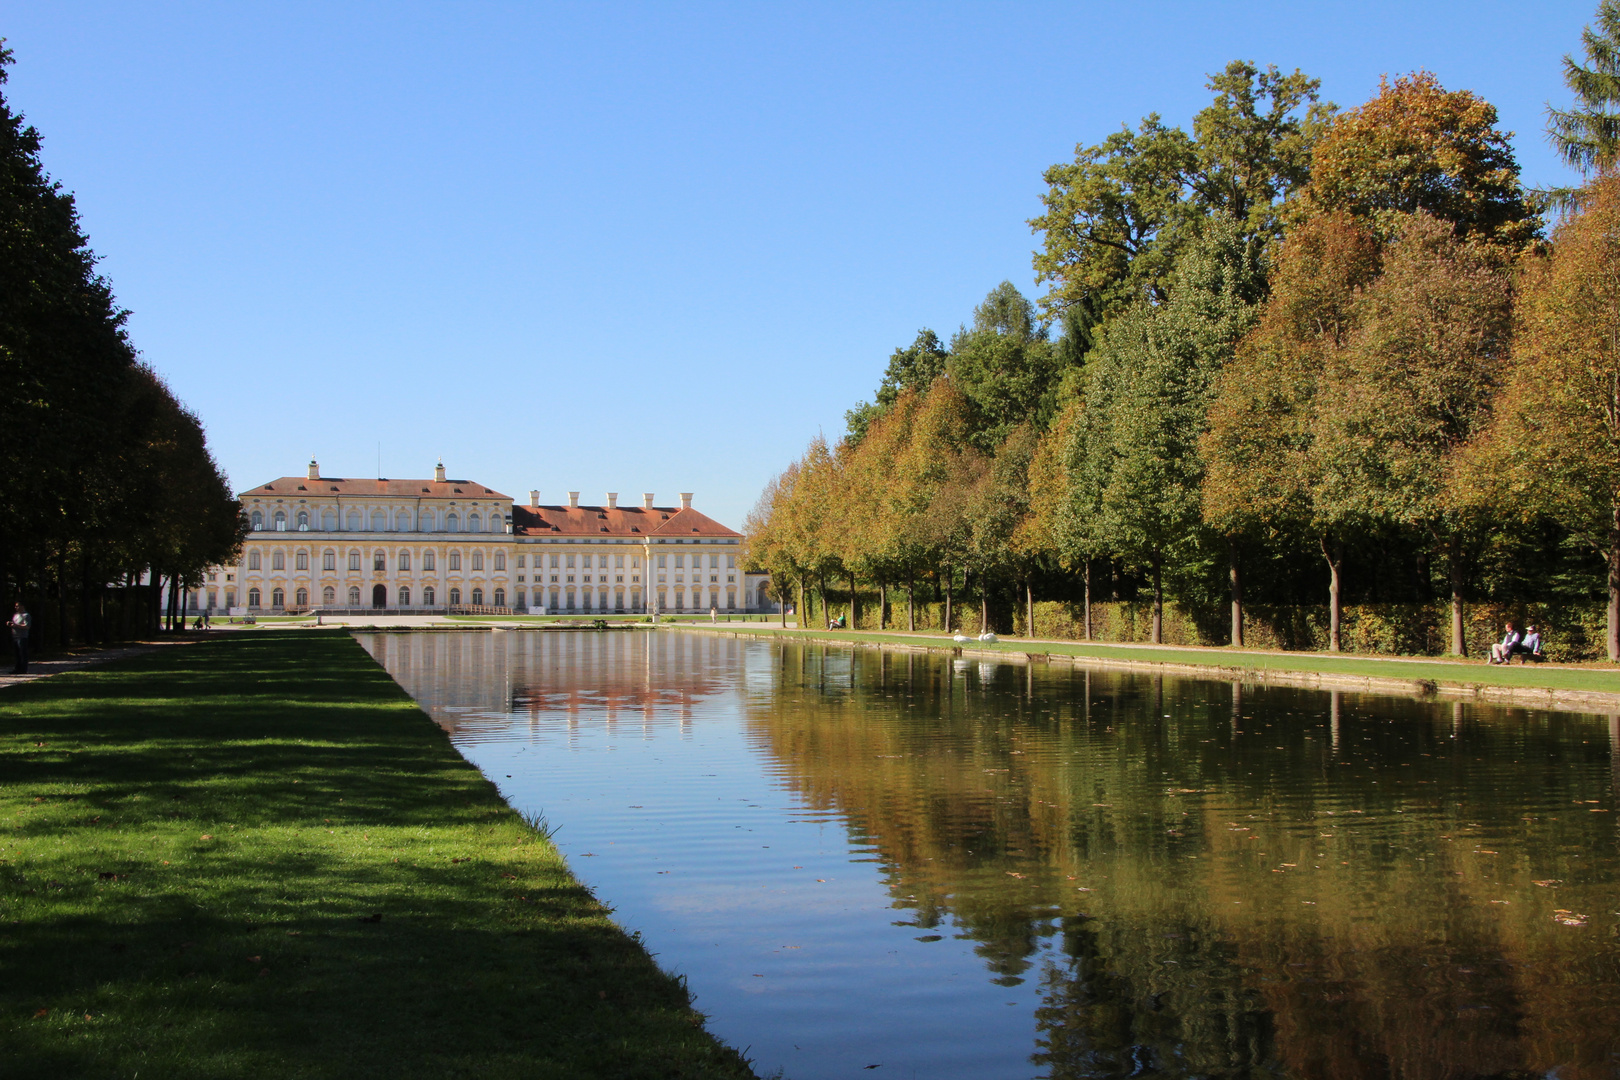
(1273, 892)
(1190, 1015)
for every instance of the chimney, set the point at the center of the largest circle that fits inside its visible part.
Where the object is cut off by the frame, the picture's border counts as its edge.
(613, 499)
(646, 500)
(314, 470)
(534, 496)
(573, 499)
(686, 500)
(438, 472)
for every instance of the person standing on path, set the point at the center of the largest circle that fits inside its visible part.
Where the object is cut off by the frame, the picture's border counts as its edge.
(20, 622)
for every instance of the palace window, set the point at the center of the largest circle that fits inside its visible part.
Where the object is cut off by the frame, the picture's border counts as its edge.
(278, 598)
(618, 562)
(500, 560)
(354, 561)
(554, 560)
(478, 596)
(680, 561)
(404, 560)
(354, 522)
(329, 561)
(303, 597)
(379, 521)
(427, 596)
(500, 597)
(354, 596)
(329, 521)
(281, 521)
(253, 560)
(404, 596)
(714, 562)
(253, 598)
(474, 525)
(303, 521)
(521, 559)
(478, 560)
(662, 561)
(452, 524)
(278, 560)
(329, 595)
(635, 562)
(427, 560)
(570, 562)
(455, 564)
(731, 562)
(301, 560)
(379, 561)
(258, 521)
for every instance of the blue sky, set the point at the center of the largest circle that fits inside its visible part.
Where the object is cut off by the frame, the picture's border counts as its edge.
(624, 247)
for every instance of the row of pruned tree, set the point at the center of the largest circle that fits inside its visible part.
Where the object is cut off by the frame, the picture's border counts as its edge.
(109, 483)
(1296, 346)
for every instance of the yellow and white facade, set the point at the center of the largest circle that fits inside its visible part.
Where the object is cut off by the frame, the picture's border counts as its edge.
(428, 546)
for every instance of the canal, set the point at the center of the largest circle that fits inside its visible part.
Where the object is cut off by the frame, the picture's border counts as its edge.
(869, 863)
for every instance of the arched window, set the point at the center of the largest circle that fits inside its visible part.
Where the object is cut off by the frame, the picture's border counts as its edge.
(517, 598)
(404, 560)
(278, 560)
(354, 596)
(426, 524)
(500, 560)
(258, 521)
(329, 560)
(404, 596)
(427, 596)
(427, 560)
(379, 521)
(354, 560)
(455, 560)
(329, 520)
(278, 598)
(402, 523)
(281, 521)
(379, 561)
(253, 559)
(478, 596)
(354, 521)
(455, 597)
(303, 597)
(452, 523)
(303, 521)
(329, 595)
(253, 598)
(478, 560)
(473, 523)
(301, 560)
(500, 597)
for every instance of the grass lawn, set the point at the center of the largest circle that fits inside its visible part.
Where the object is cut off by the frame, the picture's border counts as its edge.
(253, 856)
(1474, 672)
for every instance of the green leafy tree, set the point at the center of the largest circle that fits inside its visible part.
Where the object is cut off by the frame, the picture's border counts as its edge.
(1005, 366)
(913, 368)
(1587, 135)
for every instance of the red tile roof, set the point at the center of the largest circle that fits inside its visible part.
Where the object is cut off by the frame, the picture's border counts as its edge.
(633, 521)
(392, 489)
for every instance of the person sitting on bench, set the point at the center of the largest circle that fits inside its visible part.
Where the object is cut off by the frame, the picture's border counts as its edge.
(1530, 647)
(1502, 652)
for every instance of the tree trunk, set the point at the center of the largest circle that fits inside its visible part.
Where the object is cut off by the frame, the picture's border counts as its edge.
(883, 605)
(1335, 559)
(1088, 600)
(826, 609)
(1614, 585)
(984, 606)
(1459, 642)
(950, 576)
(1158, 602)
(1029, 604)
(854, 606)
(911, 604)
(1235, 574)
(803, 616)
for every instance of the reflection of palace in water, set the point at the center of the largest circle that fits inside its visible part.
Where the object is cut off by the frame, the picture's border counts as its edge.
(467, 679)
(1239, 881)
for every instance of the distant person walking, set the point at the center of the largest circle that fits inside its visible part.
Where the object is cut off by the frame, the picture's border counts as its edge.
(714, 613)
(20, 624)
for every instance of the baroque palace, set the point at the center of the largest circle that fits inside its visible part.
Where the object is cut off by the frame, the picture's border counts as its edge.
(427, 546)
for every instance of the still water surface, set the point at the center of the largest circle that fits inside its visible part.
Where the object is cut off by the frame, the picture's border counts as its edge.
(952, 869)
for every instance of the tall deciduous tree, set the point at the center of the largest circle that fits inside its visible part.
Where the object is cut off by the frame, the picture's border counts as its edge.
(1556, 439)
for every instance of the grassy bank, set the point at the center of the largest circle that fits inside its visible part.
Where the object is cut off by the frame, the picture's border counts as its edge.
(254, 856)
(1586, 679)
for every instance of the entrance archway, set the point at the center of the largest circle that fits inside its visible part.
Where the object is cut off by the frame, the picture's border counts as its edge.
(379, 596)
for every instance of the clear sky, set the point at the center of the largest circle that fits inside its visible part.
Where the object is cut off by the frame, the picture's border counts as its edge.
(625, 247)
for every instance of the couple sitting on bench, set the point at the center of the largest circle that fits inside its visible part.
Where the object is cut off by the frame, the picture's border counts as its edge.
(1527, 646)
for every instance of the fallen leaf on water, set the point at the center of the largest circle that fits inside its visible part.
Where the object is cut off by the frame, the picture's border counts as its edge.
(1549, 883)
(1568, 918)
(1012, 874)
